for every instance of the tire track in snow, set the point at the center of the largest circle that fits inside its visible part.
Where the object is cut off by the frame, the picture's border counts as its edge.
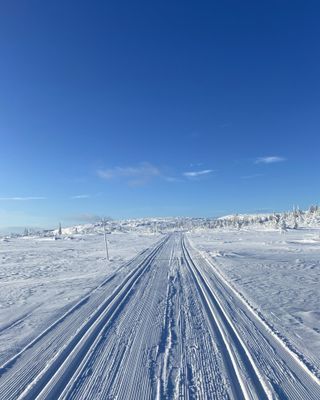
(253, 387)
(171, 330)
(281, 371)
(187, 359)
(166, 387)
(134, 334)
(159, 343)
(64, 363)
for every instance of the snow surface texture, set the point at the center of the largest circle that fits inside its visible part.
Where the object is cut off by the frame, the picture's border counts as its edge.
(279, 275)
(40, 278)
(165, 325)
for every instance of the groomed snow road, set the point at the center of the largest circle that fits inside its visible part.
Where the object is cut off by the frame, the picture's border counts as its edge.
(166, 325)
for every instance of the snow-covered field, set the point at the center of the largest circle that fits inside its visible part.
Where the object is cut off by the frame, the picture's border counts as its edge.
(208, 314)
(42, 277)
(278, 273)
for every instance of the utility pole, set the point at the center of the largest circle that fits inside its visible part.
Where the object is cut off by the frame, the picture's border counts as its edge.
(105, 237)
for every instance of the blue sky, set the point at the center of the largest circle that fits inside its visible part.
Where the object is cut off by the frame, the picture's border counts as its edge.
(132, 109)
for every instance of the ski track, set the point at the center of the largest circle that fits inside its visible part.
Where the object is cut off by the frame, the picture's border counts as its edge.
(164, 326)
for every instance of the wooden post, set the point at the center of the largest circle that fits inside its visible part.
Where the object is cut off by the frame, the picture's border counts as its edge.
(105, 237)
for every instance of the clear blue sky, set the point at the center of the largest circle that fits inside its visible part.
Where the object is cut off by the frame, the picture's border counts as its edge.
(139, 108)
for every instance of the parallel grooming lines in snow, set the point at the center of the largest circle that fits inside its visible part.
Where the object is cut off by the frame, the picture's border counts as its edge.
(170, 328)
(282, 371)
(16, 383)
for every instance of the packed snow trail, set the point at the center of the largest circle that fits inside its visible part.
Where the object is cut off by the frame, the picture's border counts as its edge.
(165, 326)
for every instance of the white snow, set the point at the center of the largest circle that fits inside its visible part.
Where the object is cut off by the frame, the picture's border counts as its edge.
(42, 277)
(167, 324)
(279, 275)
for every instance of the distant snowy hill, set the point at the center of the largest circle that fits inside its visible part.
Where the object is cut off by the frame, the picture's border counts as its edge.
(142, 226)
(273, 221)
(294, 219)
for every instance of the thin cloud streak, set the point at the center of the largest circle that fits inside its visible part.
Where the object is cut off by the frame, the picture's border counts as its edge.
(143, 169)
(145, 172)
(269, 160)
(136, 175)
(80, 196)
(195, 174)
(27, 198)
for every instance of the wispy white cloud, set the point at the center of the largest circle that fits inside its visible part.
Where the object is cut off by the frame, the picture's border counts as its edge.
(135, 175)
(269, 160)
(27, 198)
(196, 174)
(81, 196)
(143, 173)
